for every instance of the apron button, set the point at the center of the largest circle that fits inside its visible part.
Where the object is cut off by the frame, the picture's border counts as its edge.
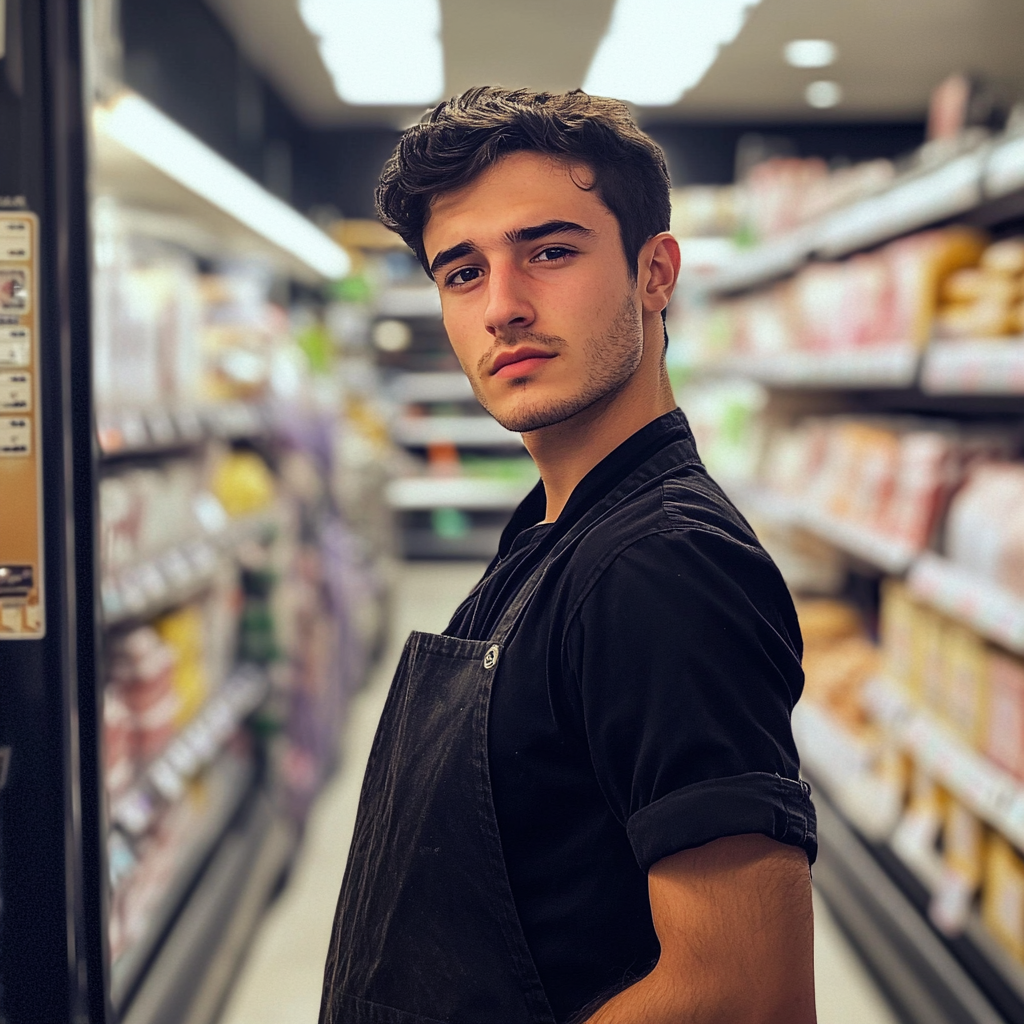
(491, 657)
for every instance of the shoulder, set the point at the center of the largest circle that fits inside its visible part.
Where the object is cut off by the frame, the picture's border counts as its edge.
(681, 527)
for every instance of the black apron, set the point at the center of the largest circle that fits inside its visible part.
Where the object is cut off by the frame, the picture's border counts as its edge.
(426, 930)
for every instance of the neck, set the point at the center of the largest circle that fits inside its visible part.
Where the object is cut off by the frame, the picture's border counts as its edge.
(565, 452)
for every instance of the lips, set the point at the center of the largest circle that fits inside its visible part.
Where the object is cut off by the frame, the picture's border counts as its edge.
(520, 355)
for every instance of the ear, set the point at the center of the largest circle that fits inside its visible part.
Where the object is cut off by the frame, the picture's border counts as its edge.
(658, 267)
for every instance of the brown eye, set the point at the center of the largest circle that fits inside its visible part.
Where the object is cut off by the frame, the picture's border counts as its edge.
(552, 253)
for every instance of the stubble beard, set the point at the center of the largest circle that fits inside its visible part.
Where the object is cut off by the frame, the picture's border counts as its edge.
(611, 359)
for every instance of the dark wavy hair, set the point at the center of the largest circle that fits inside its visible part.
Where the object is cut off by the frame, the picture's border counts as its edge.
(463, 136)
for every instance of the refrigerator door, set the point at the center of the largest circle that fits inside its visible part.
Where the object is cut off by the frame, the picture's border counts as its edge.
(51, 956)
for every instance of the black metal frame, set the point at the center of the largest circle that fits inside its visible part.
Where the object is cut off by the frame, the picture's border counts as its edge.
(52, 959)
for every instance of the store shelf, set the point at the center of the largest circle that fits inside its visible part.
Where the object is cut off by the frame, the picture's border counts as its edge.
(891, 366)
(1005, 171)
(884, 553)
(467, 431)
(764, 263)
(916, 967)
(156, 584)
(994, 795)
(192, 970)
(989, 609)
(984, 366)
(228, 784)
(126, 433)
(415, 301)
(468, 493)
(843, 761)
(192, 751)
(909, 204)
(431, 387)
(927, 198)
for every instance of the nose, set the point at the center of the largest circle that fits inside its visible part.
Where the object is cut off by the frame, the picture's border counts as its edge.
(508, 302)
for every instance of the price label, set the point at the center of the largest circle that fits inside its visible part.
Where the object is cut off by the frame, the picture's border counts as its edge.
(22, 600)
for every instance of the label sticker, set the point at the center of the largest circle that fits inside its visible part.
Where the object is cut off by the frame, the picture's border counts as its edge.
(16, 582)
(15, 437)
(22, 598)
(15, 249)
(13, 352)
(14, 290)
(16, 391)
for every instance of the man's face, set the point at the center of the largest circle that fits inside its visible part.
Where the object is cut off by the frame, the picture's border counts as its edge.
(537, 297)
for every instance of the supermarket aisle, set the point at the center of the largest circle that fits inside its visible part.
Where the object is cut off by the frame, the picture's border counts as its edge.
(280, 982)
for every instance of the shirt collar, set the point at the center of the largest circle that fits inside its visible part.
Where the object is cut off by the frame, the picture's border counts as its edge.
(604, 477)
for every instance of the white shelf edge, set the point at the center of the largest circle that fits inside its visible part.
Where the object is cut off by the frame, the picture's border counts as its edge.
(889, 555)
(992, 794)
(889, 366)
(469, 493)
(984, 605)
(471, 431)
(982, 366)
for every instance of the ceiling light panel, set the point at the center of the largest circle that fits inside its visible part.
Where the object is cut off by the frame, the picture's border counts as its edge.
(824, 95)
(810, 53)
(384, 53)
(656, 50)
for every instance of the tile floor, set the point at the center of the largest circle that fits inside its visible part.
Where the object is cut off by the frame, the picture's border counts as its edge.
(280, 981)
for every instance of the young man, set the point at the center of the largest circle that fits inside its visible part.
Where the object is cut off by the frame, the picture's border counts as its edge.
(583, 801)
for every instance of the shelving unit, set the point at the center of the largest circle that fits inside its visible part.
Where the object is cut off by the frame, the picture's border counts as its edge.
(912, 918)
(455, 509)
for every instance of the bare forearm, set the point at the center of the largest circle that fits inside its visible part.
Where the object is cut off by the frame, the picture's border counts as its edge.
(662, 998)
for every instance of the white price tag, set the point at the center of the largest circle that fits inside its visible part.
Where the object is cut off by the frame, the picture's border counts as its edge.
(15, 437)
(15, 391)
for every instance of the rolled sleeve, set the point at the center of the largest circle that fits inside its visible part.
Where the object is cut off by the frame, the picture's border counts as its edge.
(687, 651)
(752, 803)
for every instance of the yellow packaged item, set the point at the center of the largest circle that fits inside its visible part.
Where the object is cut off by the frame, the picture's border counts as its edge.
(1002, 904)
(243, 484)
(926, 678)
(897, 617)
(183, 631)
(972, 284)
(963, 843)
(965, 681)
(1005, 257)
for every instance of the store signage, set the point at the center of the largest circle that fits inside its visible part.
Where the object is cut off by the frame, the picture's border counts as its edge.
(21, 499)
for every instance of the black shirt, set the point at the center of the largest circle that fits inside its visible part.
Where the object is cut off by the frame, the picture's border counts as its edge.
(643, 705)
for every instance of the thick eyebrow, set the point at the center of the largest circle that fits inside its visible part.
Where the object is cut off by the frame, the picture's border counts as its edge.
(551, 227)
(446, 256)
(515, 236)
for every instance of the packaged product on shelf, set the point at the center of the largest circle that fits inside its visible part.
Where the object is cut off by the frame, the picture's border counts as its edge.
(897, 617)
(141, 674)
(963, 844)
(243, 483)
(1002, 904)
(985, 525)
(838, 659)
(183, 632)
(965, 682)
(144, 512)
(1003, 738)
(985, 301)
(146, 317)
(887, 298)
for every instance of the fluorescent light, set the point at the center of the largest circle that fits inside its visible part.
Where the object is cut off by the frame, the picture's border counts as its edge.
(380, 52)
(155, 138)
(810, 53)
(824, 94)
(655, 50)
